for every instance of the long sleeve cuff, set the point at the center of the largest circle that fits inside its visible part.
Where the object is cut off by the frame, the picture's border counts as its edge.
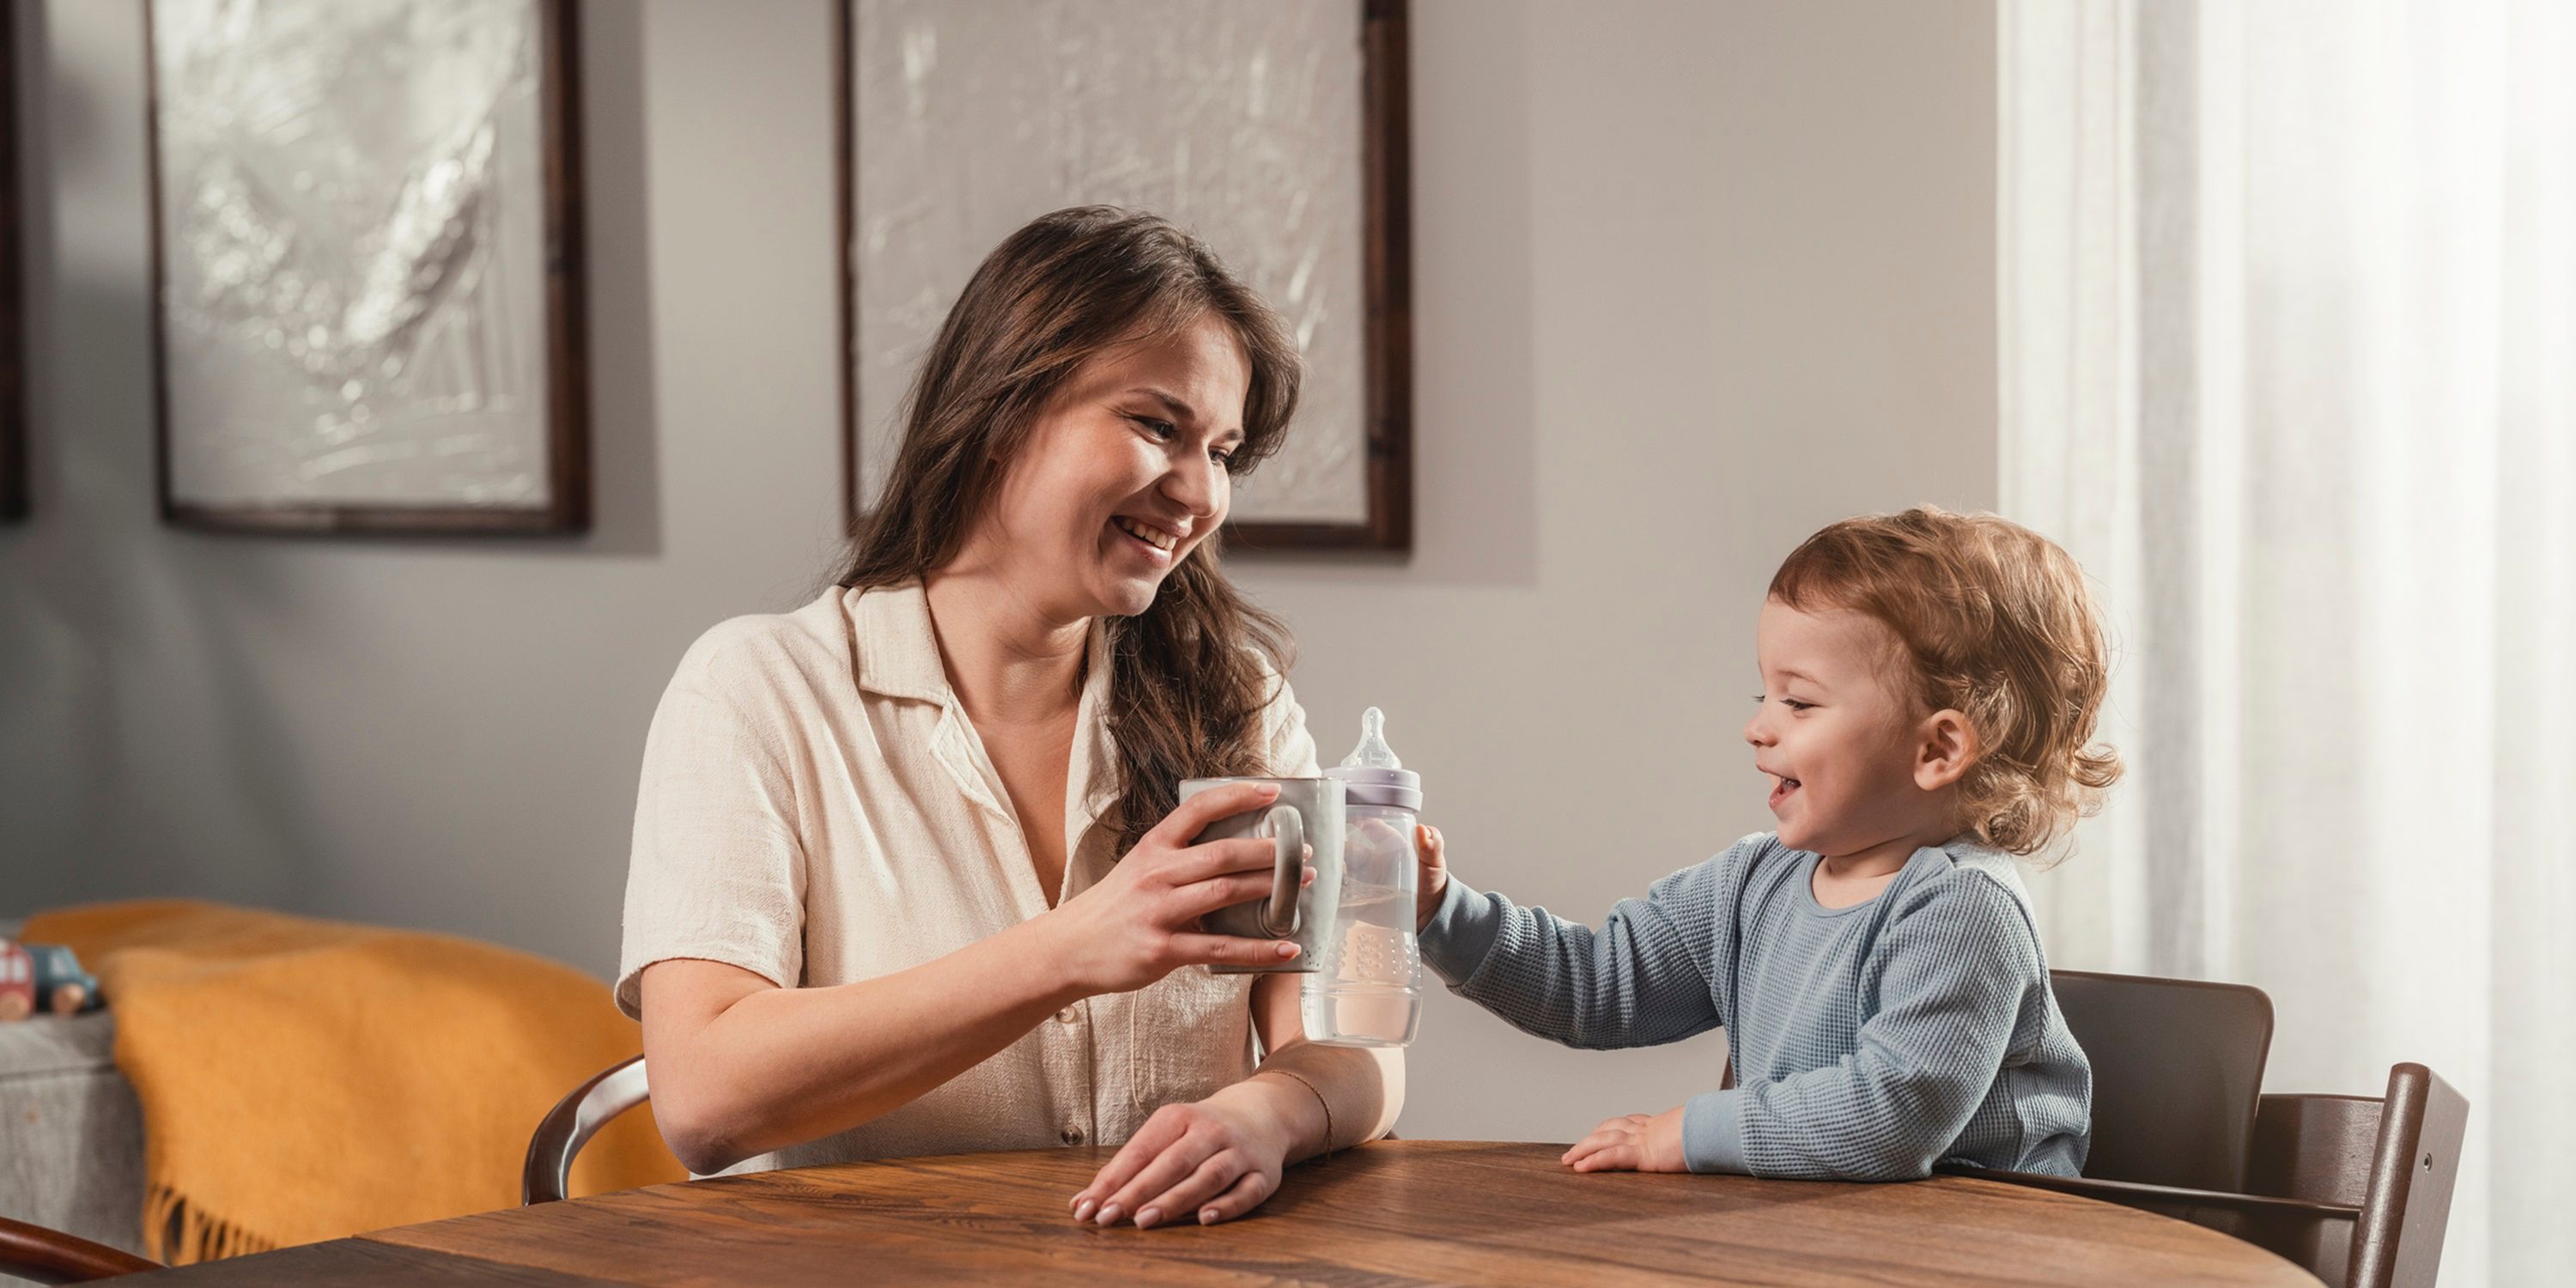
(1461, 932)
(1713, 1132)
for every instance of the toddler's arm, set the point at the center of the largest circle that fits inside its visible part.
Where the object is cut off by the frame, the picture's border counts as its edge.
(1648, 976)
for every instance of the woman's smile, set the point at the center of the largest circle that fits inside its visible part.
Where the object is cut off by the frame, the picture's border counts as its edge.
(1159, 544)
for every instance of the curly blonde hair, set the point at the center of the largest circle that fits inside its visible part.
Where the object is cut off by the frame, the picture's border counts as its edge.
(1997, 625)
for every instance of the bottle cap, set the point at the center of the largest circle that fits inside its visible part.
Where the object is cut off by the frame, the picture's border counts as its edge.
(1372, 775)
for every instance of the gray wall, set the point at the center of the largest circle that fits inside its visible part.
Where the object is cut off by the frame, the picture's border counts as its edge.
(1691, 279)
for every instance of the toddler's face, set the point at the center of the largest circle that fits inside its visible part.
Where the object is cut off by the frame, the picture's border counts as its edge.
(1835, 729)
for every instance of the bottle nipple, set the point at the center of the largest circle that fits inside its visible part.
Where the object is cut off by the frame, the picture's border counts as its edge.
(1372, 753)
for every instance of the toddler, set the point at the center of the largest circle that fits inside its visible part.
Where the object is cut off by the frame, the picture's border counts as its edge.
(1930, 687)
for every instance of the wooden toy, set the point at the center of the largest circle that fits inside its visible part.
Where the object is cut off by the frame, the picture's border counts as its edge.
(61, 985)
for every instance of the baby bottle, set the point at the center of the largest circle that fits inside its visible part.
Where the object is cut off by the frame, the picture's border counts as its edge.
(1367, 990)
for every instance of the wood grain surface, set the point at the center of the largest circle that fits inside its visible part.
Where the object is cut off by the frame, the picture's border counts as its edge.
(1396, 1212)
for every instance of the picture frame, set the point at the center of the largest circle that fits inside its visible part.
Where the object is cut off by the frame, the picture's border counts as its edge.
(1352, 447)
(13, 336)
(383, 332)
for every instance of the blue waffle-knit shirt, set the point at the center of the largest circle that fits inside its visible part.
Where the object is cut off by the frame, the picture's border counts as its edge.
(1872, 1042)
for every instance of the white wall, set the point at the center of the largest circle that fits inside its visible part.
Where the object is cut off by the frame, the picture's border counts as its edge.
(1691, 279)
(442, 733)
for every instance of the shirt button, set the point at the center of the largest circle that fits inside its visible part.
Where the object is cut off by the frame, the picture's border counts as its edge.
(1068, 1015)
(1073, 1135)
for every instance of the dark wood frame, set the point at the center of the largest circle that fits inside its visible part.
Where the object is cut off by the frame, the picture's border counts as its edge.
(13, 364)
(1386, 158)
(567, 506)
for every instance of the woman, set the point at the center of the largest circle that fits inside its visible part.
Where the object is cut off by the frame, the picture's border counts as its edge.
(909, 876)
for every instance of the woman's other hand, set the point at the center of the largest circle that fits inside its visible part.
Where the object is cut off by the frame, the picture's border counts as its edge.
(1199, 1163)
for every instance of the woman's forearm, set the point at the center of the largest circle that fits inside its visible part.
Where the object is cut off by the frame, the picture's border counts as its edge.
(783, 1065)
(1364, 1089)
(742, 1066)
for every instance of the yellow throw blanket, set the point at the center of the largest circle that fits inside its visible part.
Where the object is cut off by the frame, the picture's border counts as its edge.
(305, 1080)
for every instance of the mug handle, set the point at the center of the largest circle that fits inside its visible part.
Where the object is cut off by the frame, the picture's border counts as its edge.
(1287, 829)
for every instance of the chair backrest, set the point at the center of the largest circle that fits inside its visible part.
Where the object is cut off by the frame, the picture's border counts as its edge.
(2177, 1071)
(572, 1122)
(2395, 1158)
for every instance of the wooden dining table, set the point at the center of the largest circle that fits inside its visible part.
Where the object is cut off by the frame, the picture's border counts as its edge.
(1393, 1212)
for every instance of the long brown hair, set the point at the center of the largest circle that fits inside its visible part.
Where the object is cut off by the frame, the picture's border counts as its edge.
(1191, 674)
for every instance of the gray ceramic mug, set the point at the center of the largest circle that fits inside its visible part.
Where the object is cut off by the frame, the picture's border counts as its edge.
(1306, 817)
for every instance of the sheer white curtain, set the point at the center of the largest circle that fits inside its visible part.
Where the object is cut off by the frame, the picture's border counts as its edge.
(2289, 351)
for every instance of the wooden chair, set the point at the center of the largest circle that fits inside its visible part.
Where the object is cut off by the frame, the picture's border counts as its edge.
(572, 1122)
(2164, 1051)
(2177, 1070)
(53, 1257)
(2356, 1189)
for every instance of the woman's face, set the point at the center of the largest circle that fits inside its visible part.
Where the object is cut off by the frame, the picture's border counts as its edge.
(1123, 475)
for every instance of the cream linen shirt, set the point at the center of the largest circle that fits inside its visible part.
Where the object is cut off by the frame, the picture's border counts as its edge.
(817, 809)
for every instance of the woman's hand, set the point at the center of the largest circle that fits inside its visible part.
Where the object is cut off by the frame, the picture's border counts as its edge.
(1631, 1143)
(1205, 1162)
(1431, 858)
(1141, 922)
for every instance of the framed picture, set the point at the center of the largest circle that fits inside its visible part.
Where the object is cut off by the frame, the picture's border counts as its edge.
(366, 237)
(13, 366)
(1275, 131)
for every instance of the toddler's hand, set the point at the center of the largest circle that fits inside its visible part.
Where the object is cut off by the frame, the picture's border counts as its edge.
(1430, 857)
(1631, 1143)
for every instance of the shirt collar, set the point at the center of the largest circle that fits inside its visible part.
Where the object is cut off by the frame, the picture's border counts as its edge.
(898, 657)
(898, 652)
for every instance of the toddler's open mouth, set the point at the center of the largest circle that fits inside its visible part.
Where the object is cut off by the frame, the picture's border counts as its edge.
(1783, 790)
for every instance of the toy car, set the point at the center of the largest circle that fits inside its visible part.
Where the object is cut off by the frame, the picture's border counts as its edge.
(17, 982)
(61, 985)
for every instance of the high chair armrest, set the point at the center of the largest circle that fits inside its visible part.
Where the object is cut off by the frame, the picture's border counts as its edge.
(2134, 1194)
(2303, 1232)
